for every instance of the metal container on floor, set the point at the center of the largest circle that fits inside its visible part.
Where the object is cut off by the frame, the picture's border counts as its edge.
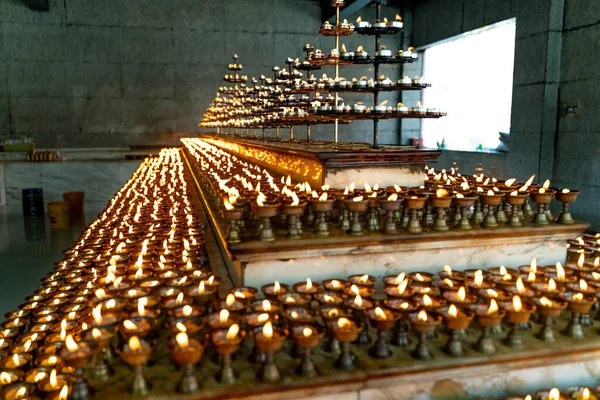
(33, 202)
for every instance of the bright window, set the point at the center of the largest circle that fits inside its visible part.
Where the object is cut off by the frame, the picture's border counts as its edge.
(472, 78)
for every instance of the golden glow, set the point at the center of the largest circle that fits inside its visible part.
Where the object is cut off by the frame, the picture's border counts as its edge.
(583, 285)
(358, 301)
(268, 330)
(581, 260)
(493, 308)
(5, 378)
(187, 311)
(517, 304)
(452, 311)
(364, 279)
(230, 299)
(134, 343)
(70, 343)
(520, 286)
(422, 316)
(64, 392)
(478, 278)
(306, 332)
(551, 285)
(427, 302)
(393, 197)
(309, 284)
(546, 302)
(344, 323)
(380, 314)
(182, 339)
(554, 394)
(223, 316)
(461, 294)
(266, 304)
(560, 272)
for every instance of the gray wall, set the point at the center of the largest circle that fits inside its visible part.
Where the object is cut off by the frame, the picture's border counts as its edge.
(95, 73)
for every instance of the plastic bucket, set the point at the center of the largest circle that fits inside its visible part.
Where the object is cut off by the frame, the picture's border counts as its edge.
(76, 199)
(33, 202)
(59, 214)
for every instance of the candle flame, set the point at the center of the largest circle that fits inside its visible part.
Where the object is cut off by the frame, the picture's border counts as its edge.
(5, 378)
(398, 17)
(134, 343)
(230, 299)
(554, 394)
(400, 278)
(427, 302)
(441, 193)
(490, 192)
(509, 182)
(16, 360)
(53, 380)
(358, 301)
(531, 276)
(520, 286)
(268, 330)
(517, 304)
(129, 325)
(344, 323)
(328, 299)
(182, 339)
(336, 284)
(560, 272)
(578, 297)
(493, 308)
(266, 305)
(96, 333)
(323, 197)
(581, 260)
(62, 395)
(478, 278)
(223, 316)
(422, 316)
(452, 311)
(309, 284)
(551, 285)
(566, 191)
(357, 199)
(461, 294)
(364, 279)
(306, 332)
(583, 285)
(187, 311)
(545, 302)
(380, 314)
(393, 197)
(276, 287)
(70, 343)
(503, 270)
(179, 299)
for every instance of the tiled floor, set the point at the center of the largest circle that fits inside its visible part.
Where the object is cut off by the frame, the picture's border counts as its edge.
(29, 249)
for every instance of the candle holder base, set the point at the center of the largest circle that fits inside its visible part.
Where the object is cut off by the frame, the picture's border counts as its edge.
(333, 346)
(101, 371)
(356, 227)
(440, 222)
(257, 356)
(293, 231)
(464, 223)
(485, 344)
(266, 232)
(380, 349)
(401, 338)
(269, 373)
(227, 375)
(390, 224)
(139, 386)
(586, 320)
(575, 329)
(188, 382)
(321, 227)
(541, 217)
(514, 338)
(307, 367)
(413, 225)
(496, 330)
(233, 233)
(454, 346)
(547, 334)
(373, 220)
(565, 218)
(344, 221)
(363, 337)
(346, 359)
(501, 216)
(490, 220)
(421, 352)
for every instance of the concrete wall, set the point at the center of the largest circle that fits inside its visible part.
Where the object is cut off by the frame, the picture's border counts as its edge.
(92, 73)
